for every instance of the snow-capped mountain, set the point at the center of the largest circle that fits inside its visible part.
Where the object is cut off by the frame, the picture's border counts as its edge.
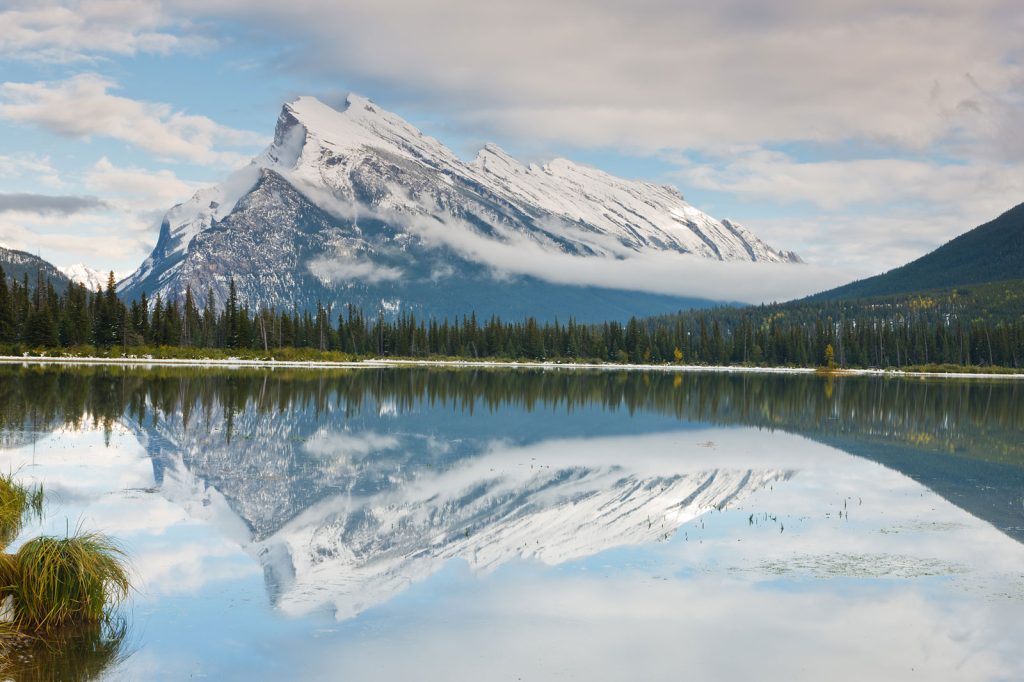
(91, 278)
(358, 206)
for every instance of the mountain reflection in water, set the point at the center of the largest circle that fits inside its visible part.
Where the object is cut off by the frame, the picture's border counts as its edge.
(349, 488)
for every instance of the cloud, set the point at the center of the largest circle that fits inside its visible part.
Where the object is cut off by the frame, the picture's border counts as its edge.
(92, 238)
(137, 189)
(340, 268)
(839, 184)
(82, 107)
(657, 75)
(868, 215)
(47, 204)
(22, 165)
(73, 30)
(655, 272)
(115, 232)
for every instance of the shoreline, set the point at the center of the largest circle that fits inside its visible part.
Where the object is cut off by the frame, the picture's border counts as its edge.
(234, 363)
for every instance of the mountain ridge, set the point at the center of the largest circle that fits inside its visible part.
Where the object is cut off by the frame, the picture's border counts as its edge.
(16, 264)
(393, 212)
(991, 252)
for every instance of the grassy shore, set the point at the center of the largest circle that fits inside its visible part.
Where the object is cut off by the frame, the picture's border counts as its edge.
(311, 358)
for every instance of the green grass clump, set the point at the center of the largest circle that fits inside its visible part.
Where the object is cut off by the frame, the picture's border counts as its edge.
(8, 573)
(16, 504)
(64, 581)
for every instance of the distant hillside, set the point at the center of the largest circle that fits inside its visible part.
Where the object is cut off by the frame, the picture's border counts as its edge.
(992, 252)
(17, 264)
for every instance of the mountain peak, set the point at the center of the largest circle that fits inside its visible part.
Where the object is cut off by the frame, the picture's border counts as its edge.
(491, 154)
(362, 124)
(381, 212)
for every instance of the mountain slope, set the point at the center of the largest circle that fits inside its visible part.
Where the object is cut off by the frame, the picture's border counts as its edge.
(358, 206)
(17, 264)
(990, 253)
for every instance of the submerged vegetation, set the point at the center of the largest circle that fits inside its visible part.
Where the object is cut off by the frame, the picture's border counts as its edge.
(56, 593)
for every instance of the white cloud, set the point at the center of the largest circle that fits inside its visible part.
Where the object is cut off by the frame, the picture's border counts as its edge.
(839, 184)
(29, 165)
(71, 30)
(137, 188)
(115, 233)
(871, 214)
(101, 239)
(662, 273)
(655, 75)
(82, 107)
(339, 268)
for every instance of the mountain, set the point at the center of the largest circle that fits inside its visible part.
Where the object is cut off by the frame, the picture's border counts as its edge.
(358, 206)
(17, 264)
(91, 278)
(992, 252)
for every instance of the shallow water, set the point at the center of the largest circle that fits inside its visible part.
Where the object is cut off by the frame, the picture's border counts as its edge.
(434, 524)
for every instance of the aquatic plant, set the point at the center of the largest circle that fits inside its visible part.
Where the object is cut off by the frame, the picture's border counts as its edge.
(63, 581)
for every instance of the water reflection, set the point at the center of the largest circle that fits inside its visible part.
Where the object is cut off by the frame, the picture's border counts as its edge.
(971, 427)
(607, 523)
(75, 654)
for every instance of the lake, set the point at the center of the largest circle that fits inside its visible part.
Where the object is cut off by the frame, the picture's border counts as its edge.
(464, 524)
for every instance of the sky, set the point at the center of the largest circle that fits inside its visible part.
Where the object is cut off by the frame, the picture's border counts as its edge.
(858, 134)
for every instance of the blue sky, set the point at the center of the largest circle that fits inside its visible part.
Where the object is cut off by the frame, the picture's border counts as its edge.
(857, 134)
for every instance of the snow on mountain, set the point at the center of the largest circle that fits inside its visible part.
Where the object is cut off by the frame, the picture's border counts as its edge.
(90, 277)
(17, 265)
(359, 206)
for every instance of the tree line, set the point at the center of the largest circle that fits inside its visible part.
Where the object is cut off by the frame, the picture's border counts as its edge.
(42, 317)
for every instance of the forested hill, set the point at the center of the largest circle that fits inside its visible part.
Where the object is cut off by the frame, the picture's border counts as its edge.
(17, 264)
(992, 252)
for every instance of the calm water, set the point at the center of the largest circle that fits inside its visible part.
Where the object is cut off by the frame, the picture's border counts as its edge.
(507, 525)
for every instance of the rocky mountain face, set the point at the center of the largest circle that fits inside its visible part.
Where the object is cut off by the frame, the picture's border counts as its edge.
(358, 206)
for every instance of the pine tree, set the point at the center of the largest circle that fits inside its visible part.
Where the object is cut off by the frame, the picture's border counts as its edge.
(231, 336)
(8, 331)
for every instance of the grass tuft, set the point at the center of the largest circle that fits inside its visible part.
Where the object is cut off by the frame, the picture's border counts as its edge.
(63, 581)
(17, 504)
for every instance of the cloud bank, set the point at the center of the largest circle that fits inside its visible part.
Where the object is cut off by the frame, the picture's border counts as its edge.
(673, 274)
(46, 204)
(75, 30)
(82, 106)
